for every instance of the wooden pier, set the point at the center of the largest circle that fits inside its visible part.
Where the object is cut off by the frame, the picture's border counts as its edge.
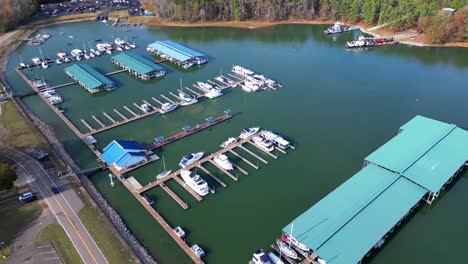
(191, 131)
(244, 159)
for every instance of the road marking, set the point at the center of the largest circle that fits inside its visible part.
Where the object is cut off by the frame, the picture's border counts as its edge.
(63, 210)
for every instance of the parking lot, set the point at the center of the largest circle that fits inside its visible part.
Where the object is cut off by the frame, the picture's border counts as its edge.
(89, 6)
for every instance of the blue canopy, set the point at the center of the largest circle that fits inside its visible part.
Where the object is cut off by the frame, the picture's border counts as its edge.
(186, 128)
(227, 112)
(159, 139)
(209, 119)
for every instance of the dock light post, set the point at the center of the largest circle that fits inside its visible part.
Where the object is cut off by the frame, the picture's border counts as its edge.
(1, 249)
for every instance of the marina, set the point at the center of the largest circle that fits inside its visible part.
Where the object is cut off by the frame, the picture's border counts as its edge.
(340, 124)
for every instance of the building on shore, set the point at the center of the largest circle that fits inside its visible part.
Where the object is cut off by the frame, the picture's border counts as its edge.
(177, 53)
(124, 154)
(358, 216)
(89, 78)
(138, 66)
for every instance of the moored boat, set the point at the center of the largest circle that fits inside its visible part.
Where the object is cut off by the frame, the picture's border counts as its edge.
(275, 259)
(337, 28)
(179, 231)
(187, 99)
(148, 199)
(263, 143)
(247, 132)
(205, 86)
(167, 107)
(289, 239)
(198, 250)
(259, 257)
(223, 161)
(286, 249)
(190, 158)
(230, 141)
(276, 139)
(250, 87)
(195, 182)
(213, 93)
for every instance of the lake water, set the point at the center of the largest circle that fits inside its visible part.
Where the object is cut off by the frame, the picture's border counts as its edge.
(337, 106)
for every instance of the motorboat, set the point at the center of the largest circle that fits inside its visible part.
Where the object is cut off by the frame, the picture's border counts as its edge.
(275, 259)
(190, 158)
(146, 108)
(119, 48)
(286, 249)
(230, 141)
(36, 60)
(250, 87)
(78, 58)
(132, 45)
(205, 86)
(179, 231)
(263, 143)
(66, 60)
(39, 83)
(223, 161)
(242, 71)
(276, 139)
(76, 53)
(198, 250)
(187, 99)
(291, 240)
(91, 54)
(225, 80)
(48, 93)
(247, 132)
(259, 257)
(148, 199)
(195, 182)
(167, 107)
(62, 55)
(213, 93)
(46, 36)
(44, 65)
(336, 28)
(58, 61)
(86, 56)
(201, 61)
(187, 65)
(55, 99)
(109, 51)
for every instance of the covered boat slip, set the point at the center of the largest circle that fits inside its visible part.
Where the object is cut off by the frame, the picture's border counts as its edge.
(174, 51)
(138, 66)
(426, 151)
(89, 78)
(415, 165)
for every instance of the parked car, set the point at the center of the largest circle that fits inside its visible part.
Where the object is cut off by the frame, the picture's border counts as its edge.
(55, 189)
(27, 197)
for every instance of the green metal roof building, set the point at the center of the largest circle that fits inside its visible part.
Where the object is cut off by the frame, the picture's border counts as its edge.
(138, 66)
(360, 214)
(89, 78)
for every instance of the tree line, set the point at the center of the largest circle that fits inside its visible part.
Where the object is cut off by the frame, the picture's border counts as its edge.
(14, 12)
(399, 14)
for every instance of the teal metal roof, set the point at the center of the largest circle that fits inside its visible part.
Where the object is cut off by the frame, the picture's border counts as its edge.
(362, 232)
(442, 161)
(415, 139)
(137, 62)
(175, 50)
(88, 76)
(319, 223)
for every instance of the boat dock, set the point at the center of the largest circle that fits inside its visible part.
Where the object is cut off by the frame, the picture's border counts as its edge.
(189, 131)
(199, 164)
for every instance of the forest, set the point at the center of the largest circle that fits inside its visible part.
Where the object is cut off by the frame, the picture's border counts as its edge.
(13, 12)
(425, 15)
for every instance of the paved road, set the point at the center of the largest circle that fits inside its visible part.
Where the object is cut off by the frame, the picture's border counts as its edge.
(64, 205)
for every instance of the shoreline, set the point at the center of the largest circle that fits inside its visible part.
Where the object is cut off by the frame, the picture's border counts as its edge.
(407, 37)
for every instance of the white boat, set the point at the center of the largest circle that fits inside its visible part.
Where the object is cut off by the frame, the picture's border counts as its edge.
(46, 36)
(86, 56)
(164, 173)
(195, 182)
(230, 141)
(39, 83)
(263, 143)
(187, 99)
(179, 231)
(167, 107)
(205, 86)
(55, 99)
(62, 55)
(223, 161)
(276, 139)
(36, 60)
(213, 93)
(225, 80)
(109, 51)
(190, 158)
(91, 54)
(201, 61)
(66, 60)
(242, 71)
(119, 48)
(275, 259)
(146, 108)
(286, 250)
(78, 58)
(337, 28)
(259, 257)
(23, 65)
(198, 250)
(250, 87)
(289, 239)
(44, 65)
(247, 132)
(58, 61)
(119, 42)
(186, 65)
(48, 93)
(104, 21)
(76, 53)
(132, 45)
(101, 47)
